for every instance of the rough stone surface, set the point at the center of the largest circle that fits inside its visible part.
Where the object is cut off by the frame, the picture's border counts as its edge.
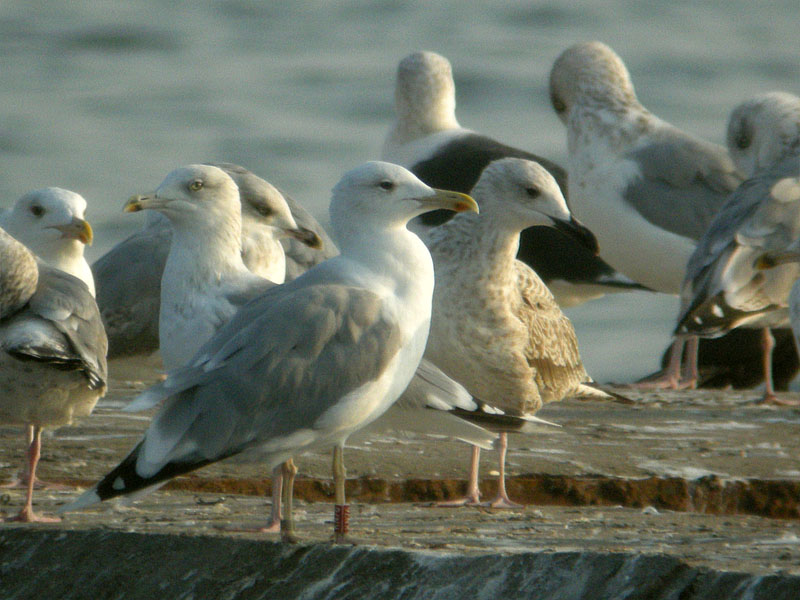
(682, 495)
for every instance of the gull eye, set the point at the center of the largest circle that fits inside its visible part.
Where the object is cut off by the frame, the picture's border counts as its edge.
(386, 185)
(532, 192)
(196, 185)
(37, 211)
(558, 104)
(263, 210)
(742, 141)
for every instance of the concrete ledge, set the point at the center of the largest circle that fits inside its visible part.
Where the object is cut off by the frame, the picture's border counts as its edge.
(128, 566)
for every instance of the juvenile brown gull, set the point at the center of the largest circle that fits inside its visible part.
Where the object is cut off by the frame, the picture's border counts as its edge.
(496, 328)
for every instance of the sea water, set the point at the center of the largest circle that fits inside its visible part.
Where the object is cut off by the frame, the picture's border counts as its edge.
(106, 97)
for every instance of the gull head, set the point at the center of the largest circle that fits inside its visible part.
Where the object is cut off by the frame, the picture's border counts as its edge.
(425, 94)
(380, 195)
(590, 74)
(51, 222)
(194, 196)
(263, 205)
(764, 130)
(522, 193)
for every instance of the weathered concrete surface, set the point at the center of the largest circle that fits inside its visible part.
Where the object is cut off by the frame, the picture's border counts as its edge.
(101, 564)
(667, 497)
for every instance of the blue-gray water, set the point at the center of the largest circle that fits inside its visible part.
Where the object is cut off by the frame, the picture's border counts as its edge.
(106, 97)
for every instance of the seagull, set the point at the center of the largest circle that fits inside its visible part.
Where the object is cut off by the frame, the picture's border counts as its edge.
(52, 223)
(495, 327)
(309, 362)
(205, 280)
(427, 139)
(129, 275)
(52, 352)
(645, 188)
(724, 288)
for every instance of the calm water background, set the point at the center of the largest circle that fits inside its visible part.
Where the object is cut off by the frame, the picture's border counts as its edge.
(105, 98)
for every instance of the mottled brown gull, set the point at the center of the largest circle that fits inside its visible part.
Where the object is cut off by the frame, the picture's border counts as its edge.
(496, 328)
(52, 351)
(309, 362)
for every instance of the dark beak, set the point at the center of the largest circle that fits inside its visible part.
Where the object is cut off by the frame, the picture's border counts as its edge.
(577, 231)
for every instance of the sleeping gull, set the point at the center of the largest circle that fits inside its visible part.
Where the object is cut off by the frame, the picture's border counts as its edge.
(311, 361)
(646, 189)
(427, 139)
(723, 288)
(51, 223)
(496, 328)
(52, 351)
(129, 275)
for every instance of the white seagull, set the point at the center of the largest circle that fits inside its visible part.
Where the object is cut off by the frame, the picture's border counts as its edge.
(311, 361)
(52, 351)
(129, 275)
(646, 189)
(724, 288)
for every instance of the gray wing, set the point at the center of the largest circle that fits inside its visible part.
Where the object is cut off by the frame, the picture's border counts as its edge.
(19, 275)
(61, 326)
(280, 363)
(753, 222)
(128, 286)
(683, 184)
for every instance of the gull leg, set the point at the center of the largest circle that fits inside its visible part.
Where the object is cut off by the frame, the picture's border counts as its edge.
(21, 482)
(767, 344)
(502, 500)
(669, 378)
(473, 495)
(690, 376)
(274, 523)
(288, 471)
(341, 515)
(26, 515)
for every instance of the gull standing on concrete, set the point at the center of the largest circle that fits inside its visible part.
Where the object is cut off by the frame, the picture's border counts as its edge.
(496, 328)
(427, 139)
(51, 222)
(52, 351)
(205, 279)
(645, 188)
(724, 289)
(129, 275)
(311, 361)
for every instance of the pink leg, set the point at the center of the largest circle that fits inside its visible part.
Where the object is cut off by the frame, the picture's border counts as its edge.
(22, 482)
(26, 515)
(767, 344)
(669, 378)
(473, 493)
(274, 524)
(690, 376)
(502, 500)
(288, 472)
